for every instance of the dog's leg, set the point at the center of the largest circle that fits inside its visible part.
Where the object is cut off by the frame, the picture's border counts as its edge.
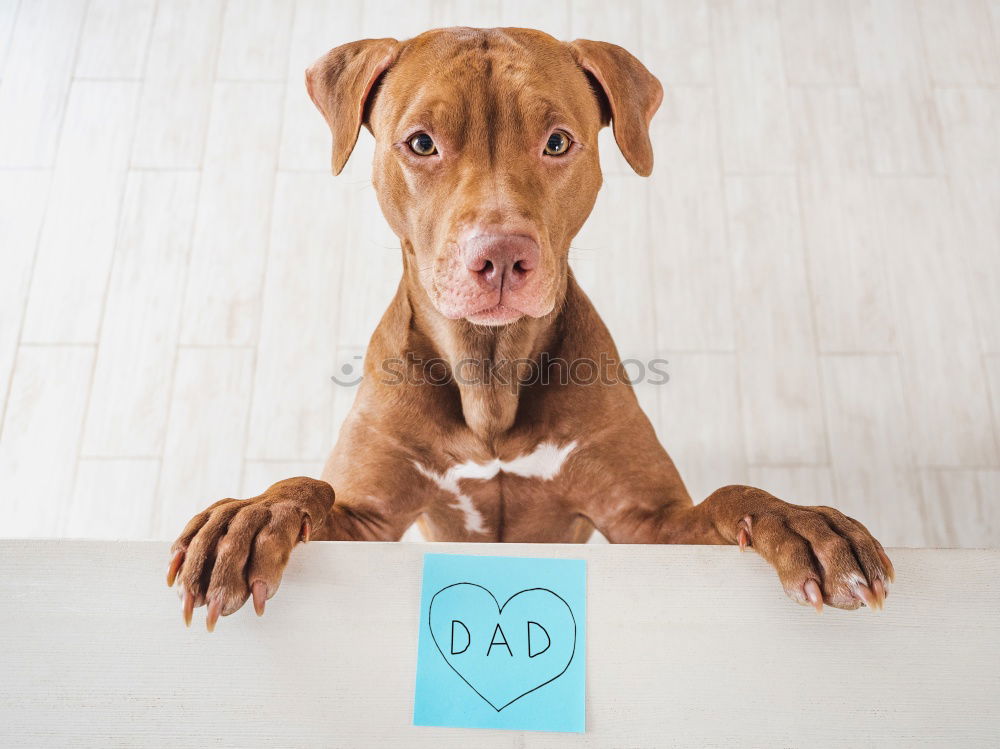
(820, 554)
(238, 548)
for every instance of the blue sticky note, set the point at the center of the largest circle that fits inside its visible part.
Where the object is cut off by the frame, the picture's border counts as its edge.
(502, 643)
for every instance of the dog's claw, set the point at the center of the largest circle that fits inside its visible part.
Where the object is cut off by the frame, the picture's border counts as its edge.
(887, 563)
(259, 597)
(866, 595)
(214, 609)
(188, 607)
(813, 594)
(880, 592)
(175, 565)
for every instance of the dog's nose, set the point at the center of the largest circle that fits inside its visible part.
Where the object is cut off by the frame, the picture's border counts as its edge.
(502, 260)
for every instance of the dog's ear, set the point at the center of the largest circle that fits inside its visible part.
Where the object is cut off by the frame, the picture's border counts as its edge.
(340, 83)
(633, 93)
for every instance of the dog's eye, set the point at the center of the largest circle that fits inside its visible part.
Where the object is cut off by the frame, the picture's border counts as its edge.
(557, 144)
(423, 145)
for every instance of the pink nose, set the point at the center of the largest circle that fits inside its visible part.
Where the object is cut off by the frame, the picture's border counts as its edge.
(503, 261)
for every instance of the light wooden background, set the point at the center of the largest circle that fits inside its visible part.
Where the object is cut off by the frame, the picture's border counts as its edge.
(817, 254)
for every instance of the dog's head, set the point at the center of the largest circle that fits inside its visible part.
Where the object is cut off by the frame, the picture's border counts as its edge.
(486, 161)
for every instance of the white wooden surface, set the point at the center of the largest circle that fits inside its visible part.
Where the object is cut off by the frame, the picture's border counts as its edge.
(687, 646)
(817, 253)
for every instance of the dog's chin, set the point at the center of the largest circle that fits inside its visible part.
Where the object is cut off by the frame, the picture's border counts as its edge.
(491, 310)
(496, 316)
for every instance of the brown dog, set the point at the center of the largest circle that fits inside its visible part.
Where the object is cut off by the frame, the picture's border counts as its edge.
(486, 166)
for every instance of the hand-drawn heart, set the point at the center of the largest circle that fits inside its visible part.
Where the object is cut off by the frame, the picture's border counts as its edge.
(503, 652)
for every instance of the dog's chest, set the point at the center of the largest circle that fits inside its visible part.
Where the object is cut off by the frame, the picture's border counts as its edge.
(501, 499)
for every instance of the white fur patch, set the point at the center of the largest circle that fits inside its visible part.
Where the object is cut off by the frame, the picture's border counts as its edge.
(854, 581)
(448, 481)
(544, 462)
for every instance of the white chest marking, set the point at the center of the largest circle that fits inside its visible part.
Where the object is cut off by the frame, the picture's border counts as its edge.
(544, 462)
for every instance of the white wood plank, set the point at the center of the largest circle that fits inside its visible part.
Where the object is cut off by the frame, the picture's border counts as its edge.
(583, 264)
(293, 393)
(255, 36)
(846, 264)
(782, 408)
(260, 474)
(552, 18)
(961, 508)
(113, 499)
(78, 238)
(229, 251)
(23, 196)
(977, 225)
(870, 447)
(958, 37)
(817, 42)
(829, 128)
(970, 117)
(177, 92)
(700, 423)
(674, 604)
(203, 455)
(771, 293)
(613, 163)
(135, 359)
(994, 10)
(903, 123)
(941, 366)
(988, 483)
(402, 19)
(371, 266)
(616, 233)
(684, 133)
(677, 41)
(115, 39)
(36, 78)
(753, 110)
(992, 366)
(690, 263)
(800, 485)
(484, 14)
(413, 535)
(8, 14)
(619, 24)
(40, 438)
(318, 26)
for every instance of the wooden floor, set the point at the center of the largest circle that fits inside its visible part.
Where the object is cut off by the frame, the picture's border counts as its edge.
(817, 255)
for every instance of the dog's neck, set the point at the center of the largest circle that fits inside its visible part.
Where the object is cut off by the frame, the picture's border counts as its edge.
(485, 362)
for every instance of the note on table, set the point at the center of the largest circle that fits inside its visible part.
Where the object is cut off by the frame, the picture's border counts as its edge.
(502, 643)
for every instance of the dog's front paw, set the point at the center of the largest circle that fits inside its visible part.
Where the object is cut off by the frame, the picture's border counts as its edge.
(821, 555)
(239, 547)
